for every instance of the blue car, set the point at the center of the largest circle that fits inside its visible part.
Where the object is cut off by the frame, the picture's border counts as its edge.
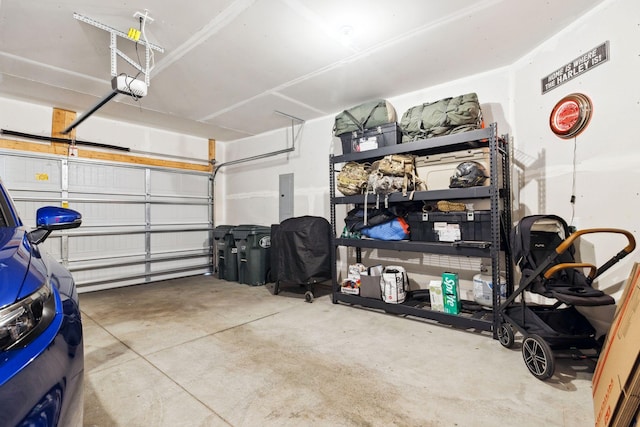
(41, 347)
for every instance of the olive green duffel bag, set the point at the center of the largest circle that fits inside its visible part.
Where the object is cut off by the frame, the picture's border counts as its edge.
(446, 116)
(364, 116)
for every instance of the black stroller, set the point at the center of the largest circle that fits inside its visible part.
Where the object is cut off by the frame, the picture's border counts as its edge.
(542, 247)
(300, 253)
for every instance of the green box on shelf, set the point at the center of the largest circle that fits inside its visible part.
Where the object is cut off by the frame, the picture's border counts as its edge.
(450, 293)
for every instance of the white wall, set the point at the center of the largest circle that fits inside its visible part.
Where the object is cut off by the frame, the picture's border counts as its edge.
(25, 117)
(35, 119)
(607, 182)
(149, 141)
(607, 177)
(249, 192)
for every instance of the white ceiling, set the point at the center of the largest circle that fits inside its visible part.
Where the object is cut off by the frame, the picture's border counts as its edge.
(229, 65)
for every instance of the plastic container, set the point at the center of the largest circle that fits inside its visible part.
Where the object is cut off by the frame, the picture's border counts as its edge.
(450, 226)
(370, 139)
(254, 250)
(483, 286)
(226, 253)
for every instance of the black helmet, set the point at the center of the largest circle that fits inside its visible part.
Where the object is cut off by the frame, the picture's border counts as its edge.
(468, 174)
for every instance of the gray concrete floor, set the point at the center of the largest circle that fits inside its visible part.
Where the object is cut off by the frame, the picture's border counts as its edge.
(205, 352)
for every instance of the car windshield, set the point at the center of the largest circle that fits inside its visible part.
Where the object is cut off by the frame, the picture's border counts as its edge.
(6, 219)
(3, 221)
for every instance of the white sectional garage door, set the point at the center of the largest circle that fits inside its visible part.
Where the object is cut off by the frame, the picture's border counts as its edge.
(140, 224)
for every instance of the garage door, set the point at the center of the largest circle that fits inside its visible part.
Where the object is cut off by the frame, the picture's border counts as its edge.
(140, 223)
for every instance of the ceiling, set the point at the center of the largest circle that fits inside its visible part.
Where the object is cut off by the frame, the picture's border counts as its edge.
(229, 66)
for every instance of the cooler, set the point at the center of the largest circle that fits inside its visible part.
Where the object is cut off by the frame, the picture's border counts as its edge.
(436, 170)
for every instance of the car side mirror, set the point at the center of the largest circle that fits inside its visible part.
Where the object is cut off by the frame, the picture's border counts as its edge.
(51, 218)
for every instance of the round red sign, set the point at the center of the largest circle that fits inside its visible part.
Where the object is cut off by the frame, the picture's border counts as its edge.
(570, 115)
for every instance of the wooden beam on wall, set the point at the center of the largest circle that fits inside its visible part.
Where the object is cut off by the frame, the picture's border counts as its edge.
(59, 121)
(212, 152)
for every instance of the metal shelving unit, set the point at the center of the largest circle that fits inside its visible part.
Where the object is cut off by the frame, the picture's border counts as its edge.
(499, 194)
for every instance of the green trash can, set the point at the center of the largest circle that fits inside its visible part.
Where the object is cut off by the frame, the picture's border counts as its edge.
(226, 253)
(254, 249)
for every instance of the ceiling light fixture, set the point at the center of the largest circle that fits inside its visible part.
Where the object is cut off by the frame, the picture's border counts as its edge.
(346, 34)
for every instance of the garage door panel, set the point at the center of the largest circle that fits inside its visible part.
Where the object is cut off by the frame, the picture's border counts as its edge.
(27, 211)
(94, 247)
(44, 198)
(138, 223)
(110, 275)
(160, 267)
(106, 197)
(31, 173)
(172, 184)
(111, 214)
(53, 246)
(180, 242)
(95, 178)
(178, 214)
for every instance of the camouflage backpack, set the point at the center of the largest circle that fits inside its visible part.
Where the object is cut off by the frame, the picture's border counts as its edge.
(394, 173)
(352, 179)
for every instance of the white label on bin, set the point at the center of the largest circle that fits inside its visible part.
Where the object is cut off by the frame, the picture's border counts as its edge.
(370, 143)
(265, 242)
(447, 232)
(234, 250)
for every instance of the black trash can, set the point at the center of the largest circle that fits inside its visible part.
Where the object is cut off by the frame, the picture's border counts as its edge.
(253, 243)
(226, 253)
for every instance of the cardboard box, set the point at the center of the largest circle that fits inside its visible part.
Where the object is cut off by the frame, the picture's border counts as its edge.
(349, 290)
(450, 293)
(350, 286)
(435, 295)
(616, 380)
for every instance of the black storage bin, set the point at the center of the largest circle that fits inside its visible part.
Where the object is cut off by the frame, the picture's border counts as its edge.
(380, 136)
(226, 253)
(429, 226)
(253, 243)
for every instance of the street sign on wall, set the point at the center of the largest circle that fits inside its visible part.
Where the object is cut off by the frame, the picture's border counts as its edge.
(578, 66)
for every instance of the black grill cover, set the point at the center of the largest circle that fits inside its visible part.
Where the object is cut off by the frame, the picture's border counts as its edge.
(300, 250)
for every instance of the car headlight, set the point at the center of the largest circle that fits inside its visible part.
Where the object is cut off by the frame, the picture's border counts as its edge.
(24, 320)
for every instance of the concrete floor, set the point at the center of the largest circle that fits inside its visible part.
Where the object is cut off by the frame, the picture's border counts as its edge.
(205, 352)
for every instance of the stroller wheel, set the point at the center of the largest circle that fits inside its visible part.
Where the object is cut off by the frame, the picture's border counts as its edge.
(506, 335)
(308, 296)
(538, 357)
